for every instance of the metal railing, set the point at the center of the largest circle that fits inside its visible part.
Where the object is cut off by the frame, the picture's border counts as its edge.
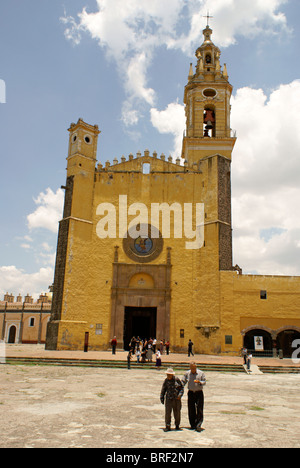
(265, 353)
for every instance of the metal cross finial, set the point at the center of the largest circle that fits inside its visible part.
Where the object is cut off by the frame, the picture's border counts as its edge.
(207, 17)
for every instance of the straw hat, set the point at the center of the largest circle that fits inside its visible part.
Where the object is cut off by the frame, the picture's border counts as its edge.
(170, 371)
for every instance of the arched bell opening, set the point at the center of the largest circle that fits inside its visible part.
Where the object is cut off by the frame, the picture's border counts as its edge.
(209, 122)
(208, 59)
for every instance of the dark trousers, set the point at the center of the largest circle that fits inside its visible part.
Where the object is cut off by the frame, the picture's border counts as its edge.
(174, 405)
(195, 407)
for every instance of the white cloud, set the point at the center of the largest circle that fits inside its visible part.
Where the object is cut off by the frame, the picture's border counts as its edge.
(46, 246)
(17, 281)
(73, 30)
(26, 246)
(272, 129)
(45, 255)
(130, 116)
(131, 32)
(171, 120)
(265, 182)
(46, 258)
(233, 18)
(136, 82)
(48, 212)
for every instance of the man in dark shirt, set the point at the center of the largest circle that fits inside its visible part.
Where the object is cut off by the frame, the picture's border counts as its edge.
(171, 393)
(190, 348)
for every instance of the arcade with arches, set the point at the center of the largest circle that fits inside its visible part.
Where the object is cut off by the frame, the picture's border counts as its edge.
(274, 342)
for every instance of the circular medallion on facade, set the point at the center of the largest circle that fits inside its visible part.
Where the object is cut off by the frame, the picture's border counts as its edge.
(143, 244)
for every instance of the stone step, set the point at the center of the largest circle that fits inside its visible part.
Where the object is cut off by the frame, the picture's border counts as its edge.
(254, 370)
(121, 364)
(280, 369)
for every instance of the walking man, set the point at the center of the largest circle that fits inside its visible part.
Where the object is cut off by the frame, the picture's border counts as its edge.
(171, 393)
(196, 380)
(114, 344)
(244, 353)
(249, 357)
(129, 357)
(190, 348)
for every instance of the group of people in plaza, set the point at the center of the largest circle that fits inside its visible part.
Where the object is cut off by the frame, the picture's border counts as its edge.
(143, 346)
(172, 392)
(144, 350)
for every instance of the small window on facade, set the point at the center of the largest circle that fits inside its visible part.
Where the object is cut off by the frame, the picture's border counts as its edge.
(146, 168)
(31, 322)
(263, 294)
(98, 328)
(228, 339)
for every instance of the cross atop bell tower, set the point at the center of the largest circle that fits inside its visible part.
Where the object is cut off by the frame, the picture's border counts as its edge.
(207, 17)
(207, 105)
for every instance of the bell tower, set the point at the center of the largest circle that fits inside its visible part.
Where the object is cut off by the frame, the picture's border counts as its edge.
(207, 105)
(82, 158)
(208, 144)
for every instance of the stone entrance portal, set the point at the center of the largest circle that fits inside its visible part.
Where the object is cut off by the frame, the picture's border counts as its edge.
(140, 304)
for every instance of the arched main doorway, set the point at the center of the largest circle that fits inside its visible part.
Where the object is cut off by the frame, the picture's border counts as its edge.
(285, 341)
(139, 322)
(12, 334)
(266, 340)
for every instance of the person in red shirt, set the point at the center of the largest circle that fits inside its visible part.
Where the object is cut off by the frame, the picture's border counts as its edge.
(114, 344)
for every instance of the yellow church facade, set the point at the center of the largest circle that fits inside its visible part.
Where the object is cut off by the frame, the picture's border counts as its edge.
(145, 244)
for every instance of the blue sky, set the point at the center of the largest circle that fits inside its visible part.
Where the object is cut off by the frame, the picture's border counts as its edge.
(123, 66)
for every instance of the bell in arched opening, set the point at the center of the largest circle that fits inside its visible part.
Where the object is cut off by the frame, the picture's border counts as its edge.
(209, 121)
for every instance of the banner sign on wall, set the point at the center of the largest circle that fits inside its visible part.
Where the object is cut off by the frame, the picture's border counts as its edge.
(258, 343)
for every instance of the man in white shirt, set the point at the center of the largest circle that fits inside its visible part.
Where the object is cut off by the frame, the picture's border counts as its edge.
(196, 380)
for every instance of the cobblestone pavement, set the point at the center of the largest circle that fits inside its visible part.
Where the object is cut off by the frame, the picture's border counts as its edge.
(45, 406)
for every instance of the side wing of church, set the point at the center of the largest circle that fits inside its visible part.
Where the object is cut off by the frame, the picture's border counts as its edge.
(145, 245)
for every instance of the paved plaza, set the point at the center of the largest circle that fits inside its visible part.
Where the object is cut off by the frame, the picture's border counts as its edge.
(54, 406)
